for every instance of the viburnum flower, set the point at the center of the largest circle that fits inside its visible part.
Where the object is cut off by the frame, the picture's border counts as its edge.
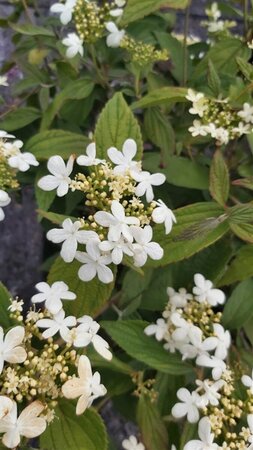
(94, 263)
(206, 437)
(124, 160)
(28, 424)
(223, 341)
(5, 135)
(204, 291)
(218, 365)
(12, 148)
(117, 222)
(22, 161)
(132, 444)
(115, 37)
(60, 175)
(198, 346)
(74, 44)
(4, 201)
(10, 346)
(163, 214)
(90, 158)
(117, 249)
(5, 405)
(188, 406)
(53, 295)
(248, 381)
(179, 299)
(145, 182)
(71, 236)
(181, 333)
(16, 305)
(242, 128)
(246, 113)
(86, 386)
(86, 333)
(199, 102)
(4, 80)
(58, 323)
(120, 3)
(159, 329)
(211, 390)
(143, 247)
(65, 10)
(197, 129)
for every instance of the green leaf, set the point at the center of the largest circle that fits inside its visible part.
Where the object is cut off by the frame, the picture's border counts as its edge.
(54, 217)
(180, 171)
(56, 142)
(69, 431)
(238, 308)
(129, 335)
(20, 118)
(213, 79)
(160, 132)
(115, 124)
(198, 226)
(245, 68)
(240, 268)
(136, 9)
(157, 97)
(219, 179)
(152, 427)
(5, 298)
(244, 231)
(241, 213)
(246, 183)
(31, 30)
(75, 90)
(91, 296)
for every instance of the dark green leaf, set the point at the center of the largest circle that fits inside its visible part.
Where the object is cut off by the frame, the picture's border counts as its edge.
(244, 231)
(239, 307)
(219, 179)
(160, 132)
(240, 268)
(149, 420)
(162, 96)
(31, 30)
(213, 79)
(20, 118)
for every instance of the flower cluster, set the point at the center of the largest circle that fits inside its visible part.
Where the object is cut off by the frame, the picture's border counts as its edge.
(191, 326)
(12, 160)
(116, 222)
(92, 21)
(38, 368)
(142, 53)
(218, 119)
(215, 24)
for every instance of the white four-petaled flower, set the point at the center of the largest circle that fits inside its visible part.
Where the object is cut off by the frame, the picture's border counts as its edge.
(10, 346)
(159, 329)
(132, 444)
(53, 295)
(115, 37)
(65, 10)
(124, 160)
(22, 161)
(58, 323)
(117, 249)
(59, 179)
(189, 405)
(206, 437)
(163, 214)
(146, 181)
(143, 247)
(94, 263)
(90, 158)
(86, 333)
(74, 44)
(204, 291)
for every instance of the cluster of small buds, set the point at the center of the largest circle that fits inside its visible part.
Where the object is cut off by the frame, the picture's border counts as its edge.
(142, 53)
(35, 367)
(215, 24)
(218, 119)
(92, 21)
(12, 160)
(144, 387)
(117, 221)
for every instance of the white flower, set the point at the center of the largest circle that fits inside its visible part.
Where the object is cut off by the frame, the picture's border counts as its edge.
(193, 96)
(86, 333)
(188, 407)
(124, 160)
(90, 158)
(52, 295)
(10, 349)
(197, 346)
(4, 201)
(223, 341)
(132, 444)
(146, 180)
(120, 3)
(211, 389)
(250, 424)
(199, 102)
(12, 148)
(60, 175)
(117, 12)
(204, 291)
(16, 305)
(5, 406)
(181, 333)
(143, 247)
(65, 10)
(5, 135)
(206, 437)
(59, 323)
(222, 135)
(115, 37)
(74, 44)
(250, 44)
(71, 236)
(28, 424)
(242, 129)
(94, 263)
(163, 214)
(213, 11)
(22, 161)
(218, 365)
(248, 381)
(117, 249)
(197, 129)
(246, 113)
(86, 386)
(117, 222)
(4, 80)
(179, 299)
(159, 329)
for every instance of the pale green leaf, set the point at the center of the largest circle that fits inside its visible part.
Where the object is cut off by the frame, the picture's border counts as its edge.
(136, 9)
(219, 179)
(162, 96)
(31, 30)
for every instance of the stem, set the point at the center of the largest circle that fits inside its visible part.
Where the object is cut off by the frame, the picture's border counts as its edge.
(100, 75)
(186, 32)
(245, 15)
